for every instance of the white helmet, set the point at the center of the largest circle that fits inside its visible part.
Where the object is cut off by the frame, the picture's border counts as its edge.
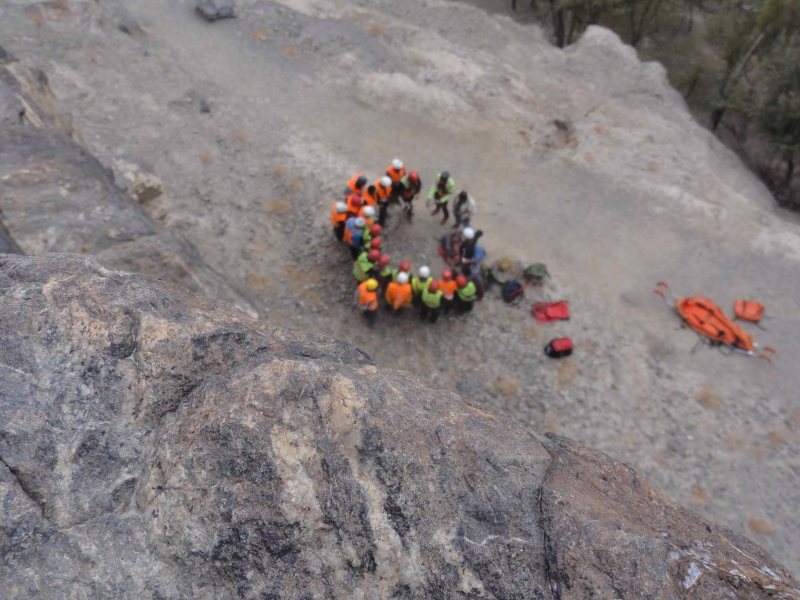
(424, 272)
(469, 233)
(386, 181)
(368, 212)
(397, 164)
(402, 278)
(341, 207)
(360, 223)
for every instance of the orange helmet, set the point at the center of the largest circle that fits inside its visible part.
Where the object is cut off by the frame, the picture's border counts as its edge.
(375, 244)
(461, 281)
(433, 286)
(384, 260)
(405, 266)
(374, 255)
(375, 230)
(447, 275)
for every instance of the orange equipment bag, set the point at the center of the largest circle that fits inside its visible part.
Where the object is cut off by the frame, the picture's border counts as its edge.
(747, 310)
(706, 318)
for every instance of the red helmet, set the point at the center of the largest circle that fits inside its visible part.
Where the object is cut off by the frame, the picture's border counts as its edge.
(375, 244)
(375, 230)
(384, 260)
(355, 200)
(433, 286)
(374, 255)
(447, 275)
(413, 176)
(461, 281)
(405, 266)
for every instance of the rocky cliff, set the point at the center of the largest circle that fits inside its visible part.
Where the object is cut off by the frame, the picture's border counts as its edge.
(155, 444)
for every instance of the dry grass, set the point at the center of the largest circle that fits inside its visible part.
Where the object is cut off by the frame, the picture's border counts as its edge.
(550, 425)
(165, 65)
(526, 137)
(652, 167)
(699, 495)
(260, 35)
(288, 51)
(588, 158)
(793, 420)
(761, 526)
(205, 157)
(566, 373)
(258, 283)
(241, 135)
(35, 15)
(276, 206)
(259, 249)
(776, 438)
(507, 388)
(280, 172)
(600, 129)
(376, 30)
(733, 442)
(532, 332)
(297, 184)
(708, 399)
(758, 451)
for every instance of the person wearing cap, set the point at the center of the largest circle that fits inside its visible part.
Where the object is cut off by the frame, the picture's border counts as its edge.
(407, 189)
(431, 302)
(420, 283)
(353, 231)
(383, 189)
(441, 192)
(338, 219)
(366, 298)
(365, 264)
(398, 293)
(448, 286)
(464, 209)
(356, 185)
(396, 171)
(465, 295)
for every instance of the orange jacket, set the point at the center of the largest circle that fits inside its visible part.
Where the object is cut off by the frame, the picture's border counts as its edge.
(351, 185)
(381, 191)
(398, 295)
(361, 214)
(448, 289)
(366, 300)
(337, 218)
(351, 207)
(395, 175)
(369, 198)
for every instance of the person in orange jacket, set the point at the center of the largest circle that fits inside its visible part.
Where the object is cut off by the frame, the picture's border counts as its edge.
(449, 288)
(356, 185)
(383, 190)
(354, 204)
(367, 213)
(398, 293)
(338, 219)
(396, 171)
(367, 300)
(371, 195)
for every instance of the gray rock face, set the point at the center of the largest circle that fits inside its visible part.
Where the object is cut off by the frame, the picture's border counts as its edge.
(7, 243)
(211, 10)
(157, 444)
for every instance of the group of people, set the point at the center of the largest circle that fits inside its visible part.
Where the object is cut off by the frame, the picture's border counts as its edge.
(358, 221)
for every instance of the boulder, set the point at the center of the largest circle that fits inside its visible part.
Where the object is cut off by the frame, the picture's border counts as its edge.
(212, 10)
(156, 444)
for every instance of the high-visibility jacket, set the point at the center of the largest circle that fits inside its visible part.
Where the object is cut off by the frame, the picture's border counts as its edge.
(417, 285)
(467, 293)
(395, 175)
(369, 222)
(409, 190)
(352, 234)
(439, 193)
(370, 199)
(394, 273)
(448, 289)
(362, 266)
(366, 300)
(351, 206)
(385, 273)
(337, 217)
(398, 295)
(432, 299)
(351, 186)
(382, 192)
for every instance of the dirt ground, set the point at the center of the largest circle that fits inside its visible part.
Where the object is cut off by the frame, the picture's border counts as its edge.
(305, 93)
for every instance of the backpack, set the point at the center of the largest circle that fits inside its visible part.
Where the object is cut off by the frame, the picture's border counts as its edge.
(747, 310)
(513, 291)
(545, 312)
(559, 348)
(536, 273)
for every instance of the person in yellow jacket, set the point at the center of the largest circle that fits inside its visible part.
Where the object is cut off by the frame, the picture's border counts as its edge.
(367, 300)
(366, 264)
(398, 293)
(466, 294)
(431, 302)
(420, 283)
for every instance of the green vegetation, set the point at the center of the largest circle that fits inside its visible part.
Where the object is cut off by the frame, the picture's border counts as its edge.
(736, 62)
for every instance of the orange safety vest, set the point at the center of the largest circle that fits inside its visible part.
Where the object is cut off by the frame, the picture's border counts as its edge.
(398, 295)
(448, 289)
(361, 214)
(367, 300)
(351, 185)
(369, 199)
(395, 176)
(381, 191)
(336, 217)
(351, 207)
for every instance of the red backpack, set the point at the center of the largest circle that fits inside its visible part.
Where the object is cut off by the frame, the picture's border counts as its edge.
(559, 348)
(545, 312)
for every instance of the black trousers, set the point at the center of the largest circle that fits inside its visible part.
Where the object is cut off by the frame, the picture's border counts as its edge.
(465, 307)
(383, 210)
(354, 252)
(338, 231)
(426, 313)
(443, 207)
(371, 316)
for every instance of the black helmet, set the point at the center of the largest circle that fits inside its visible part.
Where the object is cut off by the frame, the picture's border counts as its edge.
(361, 181)
(444, 176)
